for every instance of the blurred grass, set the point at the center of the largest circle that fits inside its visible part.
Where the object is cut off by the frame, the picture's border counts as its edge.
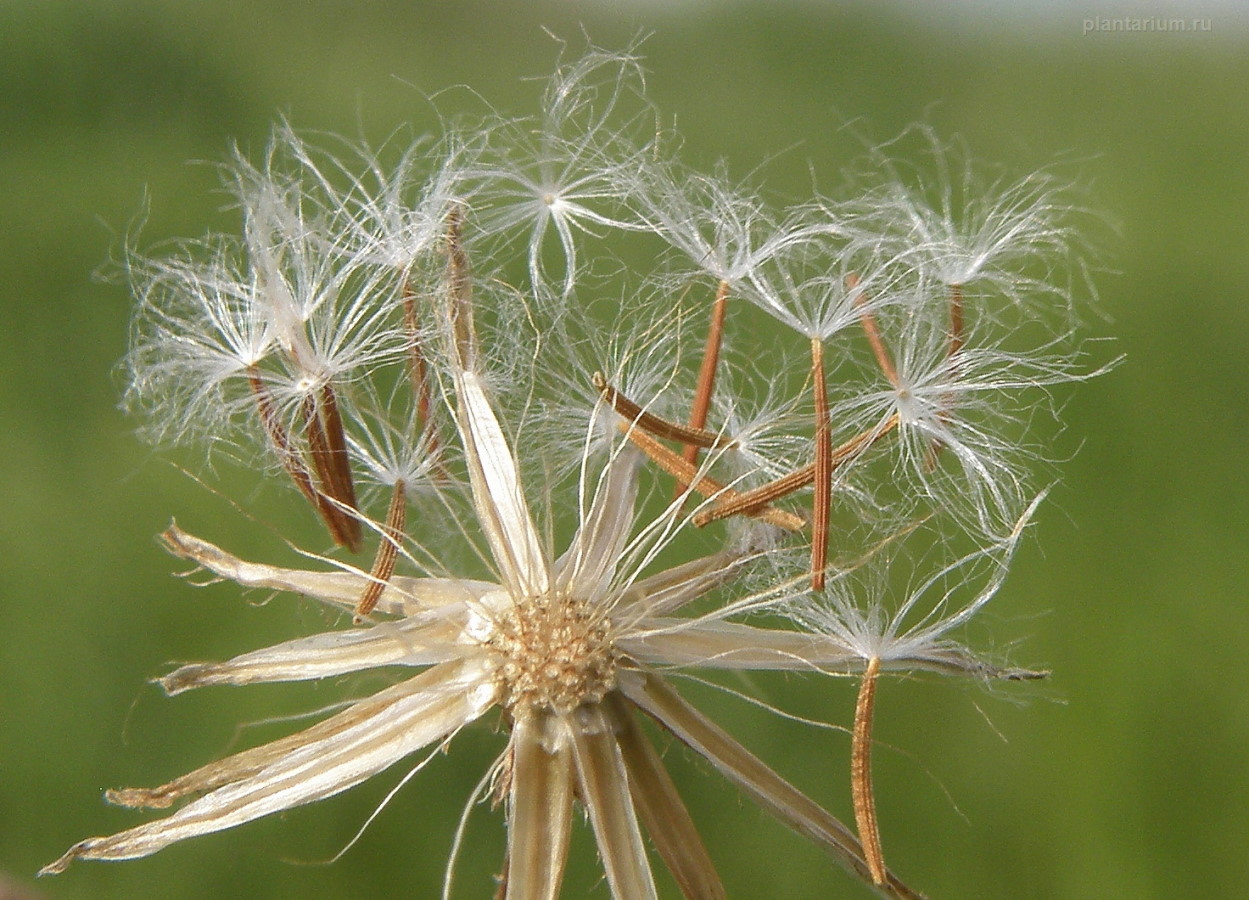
(1126, 775)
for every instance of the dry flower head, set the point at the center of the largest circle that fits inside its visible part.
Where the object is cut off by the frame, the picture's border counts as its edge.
(603, 502)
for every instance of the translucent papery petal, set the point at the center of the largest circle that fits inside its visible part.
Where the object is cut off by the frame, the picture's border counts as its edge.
(667, 821)
(590, 563)
(669, 590)
(402, 595)
(603, 786)
(540, 809)
(953, 660)
(497, 492)
(729, 645)
(752, 775)
(316, 763)
(420, 640)
(249, 762)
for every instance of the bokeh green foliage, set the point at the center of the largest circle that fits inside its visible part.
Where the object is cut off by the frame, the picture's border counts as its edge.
(1125, 775)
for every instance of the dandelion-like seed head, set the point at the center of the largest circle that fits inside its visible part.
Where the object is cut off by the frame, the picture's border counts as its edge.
(547, 503)
(965, 227)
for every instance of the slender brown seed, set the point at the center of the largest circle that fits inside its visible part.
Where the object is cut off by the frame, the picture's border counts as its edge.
(343, 527)
(957, 341)
(707, 372)
(278, 435)
(956, 318)
(795, 480)
(387, 551)
(933, 454)
(746, 501)
(862, 441)
(823, 486)
(314, 432)
(861, 774)
(874, 339)
(340, 462)
(459, 285)
(658, 425)
(674, 465)
(417, 369)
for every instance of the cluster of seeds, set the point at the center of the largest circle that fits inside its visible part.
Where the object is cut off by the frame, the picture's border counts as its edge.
(555, 654)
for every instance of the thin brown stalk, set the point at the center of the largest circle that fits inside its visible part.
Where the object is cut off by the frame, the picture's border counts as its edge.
(678, 468)
(339, 460)
(746, 501)
(278, 435)
(387, 551)
(957, 342)
(956, 319)
(332, 494)
(707, 372)
(877, 343)
(330, 514)
(823, 485)
(459, 285)
(861, 774)
(658, 425)
(795, 480)
(418, 371)
(417, 368)
(777, 796)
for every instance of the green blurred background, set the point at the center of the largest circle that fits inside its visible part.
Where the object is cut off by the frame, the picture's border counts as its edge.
(1125, 776)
